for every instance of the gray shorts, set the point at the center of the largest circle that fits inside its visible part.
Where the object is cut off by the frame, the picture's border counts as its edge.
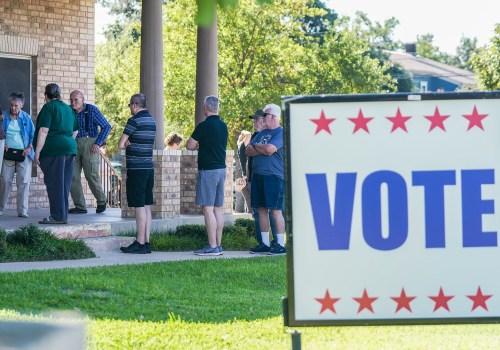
(210, 187)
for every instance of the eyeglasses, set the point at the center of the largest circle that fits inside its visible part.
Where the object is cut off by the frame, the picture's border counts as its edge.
(266, 114)
(74, 99)
(131, 104)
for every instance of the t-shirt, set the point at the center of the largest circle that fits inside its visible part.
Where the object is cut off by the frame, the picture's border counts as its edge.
(273, 164)
(61, 121)
(141, 129)
(212, 136)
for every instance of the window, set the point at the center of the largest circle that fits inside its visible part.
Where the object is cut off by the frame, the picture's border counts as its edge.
(15, 75)
(423, 86)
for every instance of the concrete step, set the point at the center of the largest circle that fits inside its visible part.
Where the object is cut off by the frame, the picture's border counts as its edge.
(81, 230)
(107, 244)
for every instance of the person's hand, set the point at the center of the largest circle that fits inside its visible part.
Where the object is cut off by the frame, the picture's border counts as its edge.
(37, 158)
(127, 143)
(95, 148)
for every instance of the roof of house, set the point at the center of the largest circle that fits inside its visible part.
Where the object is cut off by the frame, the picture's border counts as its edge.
(424, 66)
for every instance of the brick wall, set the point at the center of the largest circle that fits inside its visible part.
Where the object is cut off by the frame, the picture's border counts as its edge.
(175, 185)
(59, 38)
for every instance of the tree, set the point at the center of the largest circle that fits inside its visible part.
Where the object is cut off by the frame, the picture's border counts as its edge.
(486, 63)
(466, 49)
(264, 53)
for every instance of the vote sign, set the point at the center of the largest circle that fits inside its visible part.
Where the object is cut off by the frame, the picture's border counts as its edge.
(393, 208)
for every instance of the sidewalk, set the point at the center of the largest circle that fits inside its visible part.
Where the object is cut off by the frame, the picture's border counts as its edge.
(116, 258)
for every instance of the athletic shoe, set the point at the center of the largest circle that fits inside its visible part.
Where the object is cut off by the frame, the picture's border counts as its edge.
(23, 216)
(148, 247)
(279, 250)
(76, 210)
(208, 250)
(260, 249)
(221, 251)
(135, 248)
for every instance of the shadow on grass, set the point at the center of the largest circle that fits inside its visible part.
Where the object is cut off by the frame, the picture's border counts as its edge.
(218, 290)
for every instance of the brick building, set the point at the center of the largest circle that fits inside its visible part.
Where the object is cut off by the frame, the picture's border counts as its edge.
(47, 41)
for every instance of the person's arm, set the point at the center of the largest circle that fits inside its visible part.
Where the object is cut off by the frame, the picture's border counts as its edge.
(192, 144)
(40, 142)
(265, 149)
(124, 142)
(105, 127)
(251, 151)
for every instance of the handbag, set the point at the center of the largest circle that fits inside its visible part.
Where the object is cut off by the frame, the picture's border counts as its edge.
(14, 154)
(239, 184)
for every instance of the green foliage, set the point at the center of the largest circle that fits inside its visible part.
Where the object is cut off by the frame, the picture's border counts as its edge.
(3, 241)
(30, 243)
(486, 63)
(192, 237)
(248, 224)
(265, 52)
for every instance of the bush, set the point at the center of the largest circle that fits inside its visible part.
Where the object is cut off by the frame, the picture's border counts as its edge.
(3, 241)
(248, 224)
(31, 243)
(192, 237)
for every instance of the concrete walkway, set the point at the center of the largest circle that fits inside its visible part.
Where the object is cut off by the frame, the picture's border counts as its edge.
(116, 258)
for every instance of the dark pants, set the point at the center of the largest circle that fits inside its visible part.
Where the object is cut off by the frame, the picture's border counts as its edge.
(57, 175)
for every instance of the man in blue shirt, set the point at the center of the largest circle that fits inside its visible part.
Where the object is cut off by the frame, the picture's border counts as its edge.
(268, 179)
(138, 140)
(210, 139)
(92, 134)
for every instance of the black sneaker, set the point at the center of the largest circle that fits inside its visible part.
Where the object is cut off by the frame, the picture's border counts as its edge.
(135, 248)
(148, 247)
(274, 244)
(260, 249)
(100, 208)
(76, 210)
(279, 250)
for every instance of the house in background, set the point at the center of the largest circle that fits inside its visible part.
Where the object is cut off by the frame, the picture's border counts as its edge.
(432, 76)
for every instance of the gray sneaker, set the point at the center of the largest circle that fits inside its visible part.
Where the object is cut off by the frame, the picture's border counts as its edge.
(208, 250)
(221, 251)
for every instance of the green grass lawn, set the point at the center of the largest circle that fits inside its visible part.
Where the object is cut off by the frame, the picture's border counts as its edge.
(204, 304)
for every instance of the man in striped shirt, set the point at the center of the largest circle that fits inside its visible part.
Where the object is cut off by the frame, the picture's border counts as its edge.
(92, 133)
(138, 140)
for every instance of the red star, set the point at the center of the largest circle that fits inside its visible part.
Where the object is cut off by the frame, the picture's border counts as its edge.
(323, 123)
(479, 299)
(403, 301)
(398, 121)
(327, 303)
(475, 119)
(437, 120)
(441, 300)
(365, 302)
(360, 122)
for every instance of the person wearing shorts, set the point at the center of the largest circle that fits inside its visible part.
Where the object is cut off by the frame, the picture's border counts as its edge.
(268, 180)
(138, 140)
(210, 139)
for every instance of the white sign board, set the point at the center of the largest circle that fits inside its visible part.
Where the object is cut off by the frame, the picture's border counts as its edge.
(393, 208)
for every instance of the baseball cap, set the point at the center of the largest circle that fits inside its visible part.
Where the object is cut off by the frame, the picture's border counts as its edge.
(258, 113)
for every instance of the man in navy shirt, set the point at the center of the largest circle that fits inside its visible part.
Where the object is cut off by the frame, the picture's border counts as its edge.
(138, 140)
(210, 139)
(268, 179)
(92, 133)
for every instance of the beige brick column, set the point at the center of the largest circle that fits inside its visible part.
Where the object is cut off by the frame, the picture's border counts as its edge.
(175, 185)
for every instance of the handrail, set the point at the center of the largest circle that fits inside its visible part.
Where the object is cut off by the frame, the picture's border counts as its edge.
(111, 182)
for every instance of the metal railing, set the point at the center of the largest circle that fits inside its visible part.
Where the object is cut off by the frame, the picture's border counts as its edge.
(111, 182)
